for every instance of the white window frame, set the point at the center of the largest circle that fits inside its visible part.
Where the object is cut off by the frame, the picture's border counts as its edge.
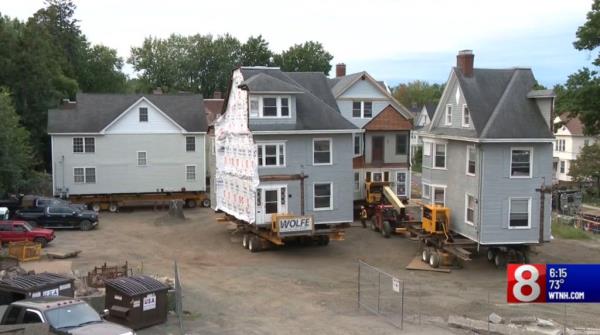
(84, 141)
(434, 154)
(356, 181)
(330, 150)
(360, 145)
(562, 167)
(257, 112)
(195, 172)
(85, 175)
(427, 147)
(140, 114)
(396, 183)
(423, 193)
(474, 159)
(467, 195)
(510, 199)
(448, 114)
(433, 188)
(277, 103)
(278, 145)
(362, 109)
(330, 196)
(530, 163)
(468, 116)
(373, 173)
(137, 155)
(186, 143)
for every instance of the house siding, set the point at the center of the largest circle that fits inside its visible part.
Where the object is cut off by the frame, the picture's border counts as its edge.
(457, 107)
(389, 152)
(115, 160)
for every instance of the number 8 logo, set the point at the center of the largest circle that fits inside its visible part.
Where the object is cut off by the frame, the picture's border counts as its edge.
(523, 282)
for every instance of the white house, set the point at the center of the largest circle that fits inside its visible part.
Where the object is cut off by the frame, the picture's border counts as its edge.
(422, 119)
(569, 141)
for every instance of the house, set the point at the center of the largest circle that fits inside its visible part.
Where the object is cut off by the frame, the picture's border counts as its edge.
(382, 151)
(213, 108)
(422, 119)
(570, 139)
(128, 143)
(282, 146)
(487, 151)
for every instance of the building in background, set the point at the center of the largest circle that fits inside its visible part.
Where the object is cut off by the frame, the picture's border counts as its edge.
(570, 139)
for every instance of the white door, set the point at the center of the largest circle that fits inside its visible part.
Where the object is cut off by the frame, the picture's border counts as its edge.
(270, 200)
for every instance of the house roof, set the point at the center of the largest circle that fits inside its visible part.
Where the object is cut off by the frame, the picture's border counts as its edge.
(315, 106)
(573, 124)
(263, 82)
(213, 107)
(388, 119)
(430, 108)
(93, 112)
(497, 98)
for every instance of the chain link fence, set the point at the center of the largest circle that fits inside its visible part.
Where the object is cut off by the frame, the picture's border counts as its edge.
(381, 293)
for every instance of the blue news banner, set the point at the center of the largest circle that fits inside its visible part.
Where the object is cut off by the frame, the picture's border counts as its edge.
(553, 283)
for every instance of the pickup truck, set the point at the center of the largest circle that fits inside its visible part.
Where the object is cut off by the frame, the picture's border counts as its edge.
(15, 202)
(64, 316)
(59, 217)
(14, 231)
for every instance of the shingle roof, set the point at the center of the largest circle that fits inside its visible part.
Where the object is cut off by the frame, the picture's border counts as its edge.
(93, 112)
(388, 119)
(430, 108)
(315, 107)
(263, 82)
(573, 124)
(499, 106)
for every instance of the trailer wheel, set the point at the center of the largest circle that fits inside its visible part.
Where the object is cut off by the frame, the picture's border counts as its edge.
(95, 207)
(245, 241)
(491, 254)
(434, 260)
(190, 203)
(386, 229)
(206, 203)
(113, 207)
(500, 260)
(425, 255)
(254, 244)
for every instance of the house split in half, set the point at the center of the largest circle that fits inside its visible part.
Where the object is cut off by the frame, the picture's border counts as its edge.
(487, 153)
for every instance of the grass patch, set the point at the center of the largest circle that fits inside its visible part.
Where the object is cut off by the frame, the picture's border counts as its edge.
(568, 232)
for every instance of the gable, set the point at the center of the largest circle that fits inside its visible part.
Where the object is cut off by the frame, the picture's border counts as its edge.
(362, 89)
(388, 119)
(128, 122)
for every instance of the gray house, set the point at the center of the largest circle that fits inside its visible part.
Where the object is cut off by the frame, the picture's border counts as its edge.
(487, 151)
(118, 143)
(283, 145)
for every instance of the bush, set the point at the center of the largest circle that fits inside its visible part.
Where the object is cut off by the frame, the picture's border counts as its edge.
(568, 232)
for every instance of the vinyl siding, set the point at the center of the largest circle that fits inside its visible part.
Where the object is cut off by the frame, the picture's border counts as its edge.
(389, 154)
(439, 120)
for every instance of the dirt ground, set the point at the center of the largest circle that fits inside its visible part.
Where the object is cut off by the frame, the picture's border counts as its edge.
(306, 290)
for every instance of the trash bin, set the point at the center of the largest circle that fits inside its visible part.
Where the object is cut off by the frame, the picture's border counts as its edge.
(136, 302)
(34, 286)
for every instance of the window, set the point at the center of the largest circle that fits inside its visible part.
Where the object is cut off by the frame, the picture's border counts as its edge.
(322, 192)
(285, 107)
(321, 151)
(13, 315)
(426, 191)
(79, 146)
(31, 316)
(190, 172)
(269, 107)
(362, 109)
(368, 176)
(586, 143)
(427, 148)
(401, 183)
(143, 114)
(254, 107)
(560, 145)
(357, 140)
(469, 209)
(141, 158)
(466, 116)
(471, 160)
(448, 115)
(356, 181)
(519, 212)
(439, 196)
(190, 144)
(84, 175)
(271, 154)
(520, 163)
(562, 166)
(440, 156)
(401, 144)
(377, 176)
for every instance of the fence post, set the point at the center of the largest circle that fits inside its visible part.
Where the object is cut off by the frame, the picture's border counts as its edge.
(378, 290)
(402, 309)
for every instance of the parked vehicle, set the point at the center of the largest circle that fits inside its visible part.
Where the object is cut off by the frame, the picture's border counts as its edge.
(64, 315)
(59, 217)
(3, 213)
(15, 203)
(14, 231)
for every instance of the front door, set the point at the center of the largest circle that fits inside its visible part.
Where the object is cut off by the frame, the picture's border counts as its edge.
(377, 149)
(270, 200)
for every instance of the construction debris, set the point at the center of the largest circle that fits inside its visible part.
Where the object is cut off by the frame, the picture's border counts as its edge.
(62, 254)
(96, 277)
(495, 318)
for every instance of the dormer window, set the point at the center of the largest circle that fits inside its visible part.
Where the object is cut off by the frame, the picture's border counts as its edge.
(466, 116)
(143, 114)
(270, 107)
(449, 115)
(362, 109)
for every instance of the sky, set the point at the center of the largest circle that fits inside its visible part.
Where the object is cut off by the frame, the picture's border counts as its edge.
(394, 40)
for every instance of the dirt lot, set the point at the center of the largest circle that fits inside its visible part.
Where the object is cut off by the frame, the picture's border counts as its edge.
(305, 290)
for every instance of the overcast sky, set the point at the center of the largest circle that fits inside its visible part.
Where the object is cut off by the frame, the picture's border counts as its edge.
(396, 41)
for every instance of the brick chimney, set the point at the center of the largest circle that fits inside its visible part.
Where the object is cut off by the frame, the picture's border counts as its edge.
(464, 62)
(340, 70)
(217, 95)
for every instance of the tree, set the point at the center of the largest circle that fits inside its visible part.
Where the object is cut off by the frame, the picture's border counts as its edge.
(580, 95)
(417, 93)
(256, 52)
(102, 72)
(587, 165)
(157, 62)
(309, 56)
(16, 154)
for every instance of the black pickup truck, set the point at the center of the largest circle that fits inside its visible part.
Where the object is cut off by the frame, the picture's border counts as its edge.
(58, 217)
(17, 202)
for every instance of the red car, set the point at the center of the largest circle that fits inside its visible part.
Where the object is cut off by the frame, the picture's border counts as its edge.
(13, 231)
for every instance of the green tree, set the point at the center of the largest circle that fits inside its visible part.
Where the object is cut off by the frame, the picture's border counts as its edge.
(256, 52)
(310, 56)
(581, 91)
(417, 93)
(587, 166)
(102, 72)
(157, 62)
(16, 154)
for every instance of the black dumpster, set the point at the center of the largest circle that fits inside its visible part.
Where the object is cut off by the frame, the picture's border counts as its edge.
(136, 302)
(34, 286)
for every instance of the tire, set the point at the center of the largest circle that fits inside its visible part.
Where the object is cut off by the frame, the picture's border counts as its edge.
(113, 207)
(425, 254)
(491, 254)
(254, 244)
(191, 203)
(386, 229)
(245, 241)
(95, 207)
(434, 260)
(500, 260)
(85, 225)
(41, 241)
(206, 203)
